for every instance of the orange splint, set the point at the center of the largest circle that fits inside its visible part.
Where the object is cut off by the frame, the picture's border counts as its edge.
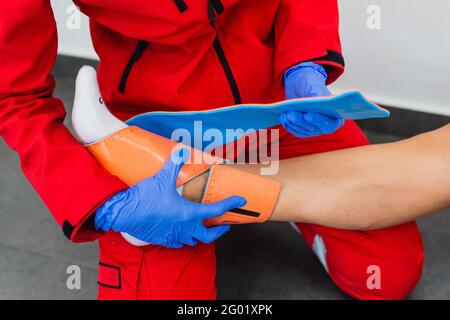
(261, 194)
(133, 154)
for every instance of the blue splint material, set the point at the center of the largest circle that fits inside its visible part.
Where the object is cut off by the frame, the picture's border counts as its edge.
(351, 106)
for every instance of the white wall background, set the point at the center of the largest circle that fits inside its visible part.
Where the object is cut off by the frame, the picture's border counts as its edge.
(405, 63)
(74, 38)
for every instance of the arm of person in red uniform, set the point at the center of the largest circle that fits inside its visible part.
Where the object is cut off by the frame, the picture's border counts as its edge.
(308, 57)
(308, 31)
(69, 181)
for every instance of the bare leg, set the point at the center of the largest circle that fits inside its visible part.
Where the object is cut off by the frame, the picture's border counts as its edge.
(369, 187)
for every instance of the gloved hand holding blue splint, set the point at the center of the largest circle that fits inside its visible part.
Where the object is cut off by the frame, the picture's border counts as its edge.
(248, 117)
(308, 80)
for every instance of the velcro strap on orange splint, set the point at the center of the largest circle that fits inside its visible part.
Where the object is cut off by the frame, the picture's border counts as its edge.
(133, 154)
(261, 194)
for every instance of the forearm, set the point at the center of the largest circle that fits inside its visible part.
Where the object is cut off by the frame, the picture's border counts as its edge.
(301, 37)
(362, 188)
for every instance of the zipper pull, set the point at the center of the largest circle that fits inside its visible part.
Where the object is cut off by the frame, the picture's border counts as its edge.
(211, 11)
(139, 49)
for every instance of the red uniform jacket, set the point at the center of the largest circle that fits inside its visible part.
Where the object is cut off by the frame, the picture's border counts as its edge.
(154, 55)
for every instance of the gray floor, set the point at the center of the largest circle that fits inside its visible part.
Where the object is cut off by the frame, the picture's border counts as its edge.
(255, 262)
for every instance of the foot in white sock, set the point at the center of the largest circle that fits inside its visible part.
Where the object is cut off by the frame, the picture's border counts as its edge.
(91, 119)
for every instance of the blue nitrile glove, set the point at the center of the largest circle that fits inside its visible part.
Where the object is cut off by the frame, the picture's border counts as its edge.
(304, 81)
(154, 212)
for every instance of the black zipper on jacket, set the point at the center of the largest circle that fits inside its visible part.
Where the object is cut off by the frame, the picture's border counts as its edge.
(226, 67)
(213, 7)
(140, 47)
(181, 5)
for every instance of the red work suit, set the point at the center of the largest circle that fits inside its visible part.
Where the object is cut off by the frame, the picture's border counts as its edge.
(179, 55)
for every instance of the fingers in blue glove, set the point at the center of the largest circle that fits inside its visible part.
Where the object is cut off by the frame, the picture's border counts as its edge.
(209, 235)
(300, 127)
(189, 241)
(205, 211)
(296, 119)
(218, 208)
(173, 165)
(173, 245)
(324, 123)
(300, 132)
(309, 124)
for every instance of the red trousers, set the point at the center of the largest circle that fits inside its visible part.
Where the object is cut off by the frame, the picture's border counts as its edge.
(379, 264)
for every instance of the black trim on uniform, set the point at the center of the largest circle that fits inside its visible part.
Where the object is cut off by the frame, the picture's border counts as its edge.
(181, 5)
(140, 47)
(332, 56)
(67, 229)
(218, 6)
(226, 67)
(119, 286)
(246, 212)
(214, 6)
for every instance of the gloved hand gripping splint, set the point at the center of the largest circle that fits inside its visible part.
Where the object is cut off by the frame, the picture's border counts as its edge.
(308, 80)
(151, 210)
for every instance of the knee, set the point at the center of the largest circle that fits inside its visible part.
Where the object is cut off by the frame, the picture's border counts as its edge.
(380, 280)
(388, 269)
(398, 279)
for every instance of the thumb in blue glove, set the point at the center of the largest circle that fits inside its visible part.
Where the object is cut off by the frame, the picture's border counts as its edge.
(154, 212)
(304, 81)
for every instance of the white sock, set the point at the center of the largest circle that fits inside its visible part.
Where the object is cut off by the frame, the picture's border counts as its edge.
(91, 118)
